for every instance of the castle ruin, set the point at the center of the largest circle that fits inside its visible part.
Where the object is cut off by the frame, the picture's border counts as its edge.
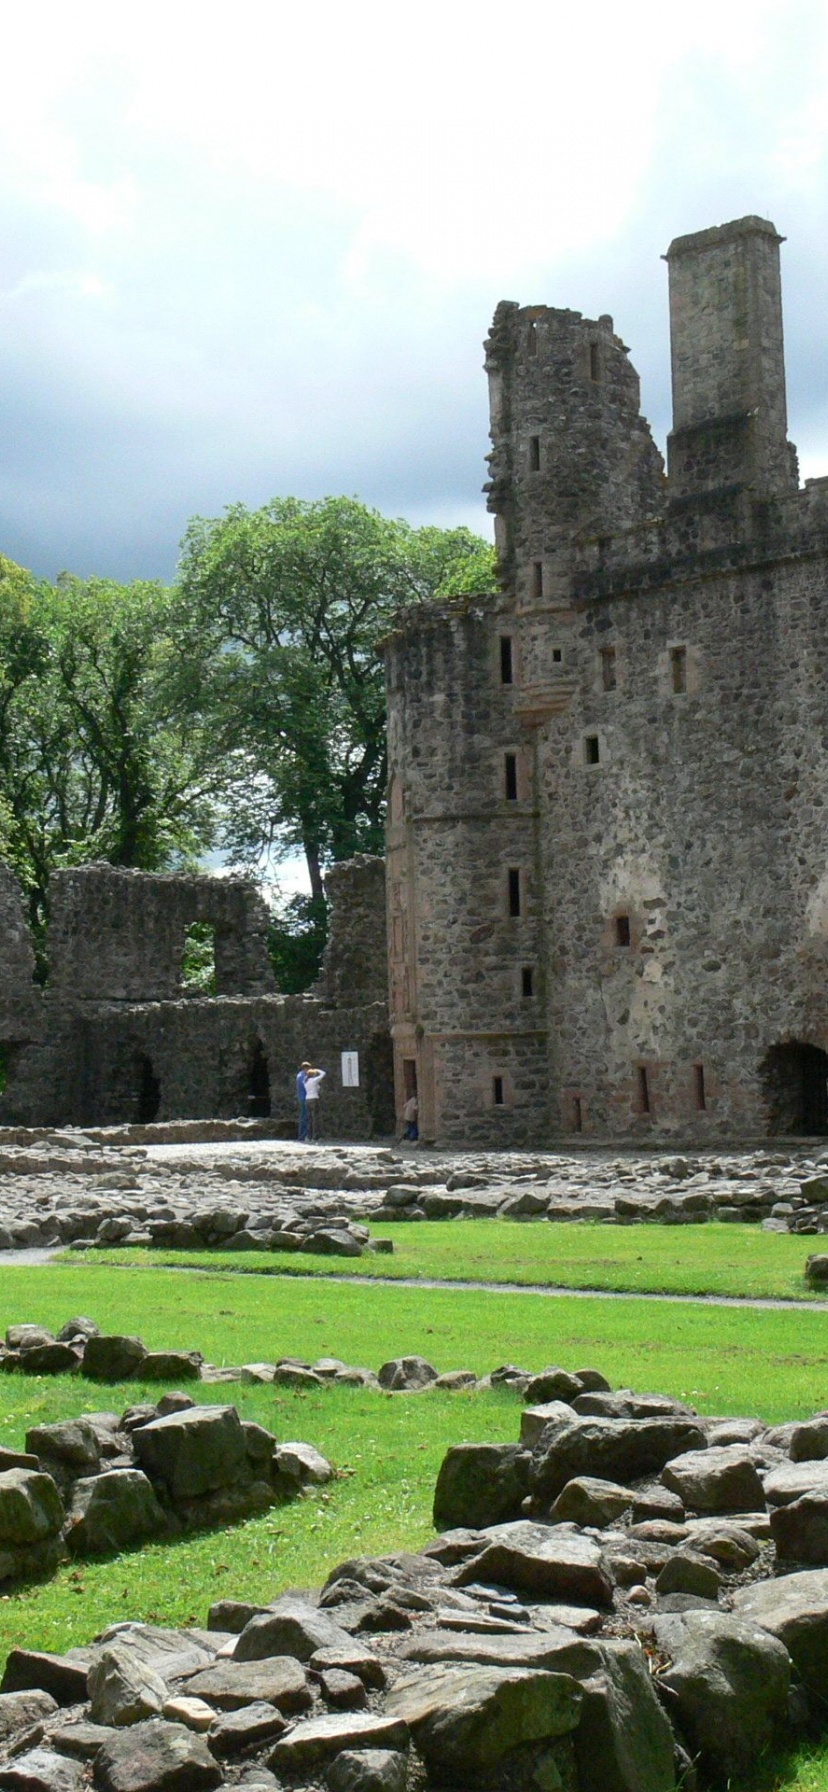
(607, 851)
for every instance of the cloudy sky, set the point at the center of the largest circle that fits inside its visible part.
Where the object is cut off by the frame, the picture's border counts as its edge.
(254, 249)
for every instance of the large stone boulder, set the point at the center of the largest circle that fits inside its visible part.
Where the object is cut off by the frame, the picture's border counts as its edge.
(123, 1689)
(623, 1742)
(793, 1608)
(587, 1501)
(465, 1720)
(31, 1517)
(800, 1529)
(729, 1680)
(291, 1626)
(194, 1452)
(112, 1358)
(156, 1757)
(721, 1479)
(479, 1485)
(406, 1374)
(621, 1450)
(542, 1561)
(112, 1511)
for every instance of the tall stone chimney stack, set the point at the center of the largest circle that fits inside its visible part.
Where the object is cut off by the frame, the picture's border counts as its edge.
(729, 412)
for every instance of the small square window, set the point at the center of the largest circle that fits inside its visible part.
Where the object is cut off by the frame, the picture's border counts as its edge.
(506, 661)
(622, 930)
(609, 670)
(592, 750)
(510, 777)
(527, 982)
(497, 1091)
(534, 454)
(557, 656)
(514, 891)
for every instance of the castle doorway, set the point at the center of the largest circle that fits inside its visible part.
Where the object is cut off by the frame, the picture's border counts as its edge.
(258, 1083)
(795, 1088)
(147, 1091)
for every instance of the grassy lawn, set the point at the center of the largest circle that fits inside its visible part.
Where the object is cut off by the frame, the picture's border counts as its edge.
(708, 1259)
(771, 1363)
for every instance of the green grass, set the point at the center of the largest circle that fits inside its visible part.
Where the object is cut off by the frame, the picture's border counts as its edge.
(709, 1259)
(388, 1449)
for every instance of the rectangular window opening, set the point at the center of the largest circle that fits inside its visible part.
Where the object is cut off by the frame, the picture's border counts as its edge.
(594, 362)
(497, 1091)
(534, 454)
(527, 981)
(622, 930)
(514, 891)
(678, 668)
(536, 579)
(698, 1087)
(643, 1089)
(532, 338)
(577, 1114)
(557, 656)
(592, 750)
(510, 778)
(609, 674)
(506, 662)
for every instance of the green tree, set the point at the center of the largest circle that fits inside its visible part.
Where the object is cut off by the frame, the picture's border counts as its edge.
(285, 607)
(99, 759)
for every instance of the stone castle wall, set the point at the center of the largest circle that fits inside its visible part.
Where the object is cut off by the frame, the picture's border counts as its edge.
(608, 878)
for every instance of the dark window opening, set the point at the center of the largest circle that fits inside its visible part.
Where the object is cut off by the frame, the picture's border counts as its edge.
(148, 1091)
(198, 960)
(594, 362)
(510, 778)
(577, 1114)
(536, 579)
(698, 1087)
(643, 1089)
(622, 930)
(409, 1077)
(592, 751)
(514, 891)
(678, 668)
(609, 674)
(532, 338)
(497, 1091)
(258, 1083)
(557, 656)
(795, 1089)
(527, 981)
(534, 454)
(506, 663)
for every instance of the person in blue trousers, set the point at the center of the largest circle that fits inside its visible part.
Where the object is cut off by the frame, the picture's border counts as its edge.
(302, 1100)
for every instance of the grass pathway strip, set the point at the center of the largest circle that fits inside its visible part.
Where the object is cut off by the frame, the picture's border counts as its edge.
(735, 1262)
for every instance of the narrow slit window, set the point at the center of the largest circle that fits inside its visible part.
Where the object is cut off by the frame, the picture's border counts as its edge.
(678, 668)
(557, 656)
(510, 777)
(577, 1114)
(532, 338)
(497, 1091)
(609, 670)
(507, 671)
(594, 362)
(622, 930)
(698, 1087)
(643, 1089)
(527, 982)
(592, 750)
(534, 454)
(514, 890)
(536, 579)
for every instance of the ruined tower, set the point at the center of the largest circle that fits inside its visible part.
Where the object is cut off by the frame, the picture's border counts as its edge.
(608, 877)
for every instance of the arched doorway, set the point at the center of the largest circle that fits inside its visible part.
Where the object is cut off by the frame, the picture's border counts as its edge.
(795, 1088)
(258, 1083)
(147, 1091)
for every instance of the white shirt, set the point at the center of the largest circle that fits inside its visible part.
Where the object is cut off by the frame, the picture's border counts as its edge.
(312, 1086)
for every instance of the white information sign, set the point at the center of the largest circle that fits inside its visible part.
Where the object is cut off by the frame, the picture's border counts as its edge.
(350, 1070)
